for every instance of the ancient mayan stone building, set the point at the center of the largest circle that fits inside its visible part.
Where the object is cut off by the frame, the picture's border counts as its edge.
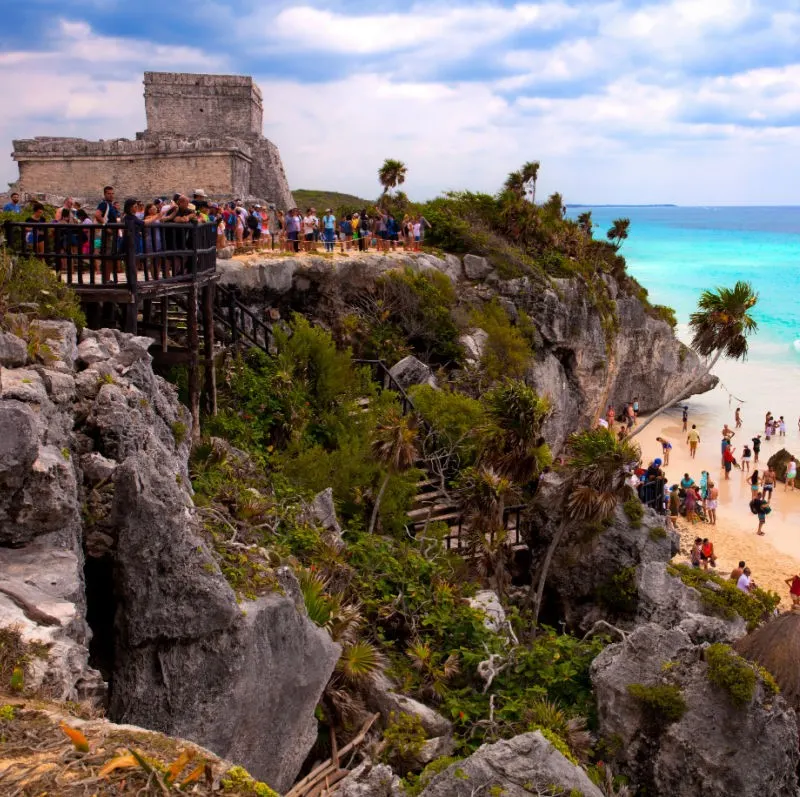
(203, 131)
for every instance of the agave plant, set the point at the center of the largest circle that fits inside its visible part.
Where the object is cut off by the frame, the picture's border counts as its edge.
(433, 668)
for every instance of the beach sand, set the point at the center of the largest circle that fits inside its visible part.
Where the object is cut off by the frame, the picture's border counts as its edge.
(773, 557)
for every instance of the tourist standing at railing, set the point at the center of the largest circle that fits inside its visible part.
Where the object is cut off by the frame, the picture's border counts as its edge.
(33, 236)
(329, 229)
(64, 213)
(13, 206)
(152, 233)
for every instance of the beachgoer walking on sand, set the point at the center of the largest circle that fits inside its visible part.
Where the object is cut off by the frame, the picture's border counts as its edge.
(693, 438)
(685, 417)
(791, 474)
(760, 506)
(756, 448)
(737, 571)
(747, 456)
(794, 589)
(712, 502)
(728, 460)
(695, 556)
(666, 447)
(745, 583)
(737, 417)
(781, 426)
(707, 555)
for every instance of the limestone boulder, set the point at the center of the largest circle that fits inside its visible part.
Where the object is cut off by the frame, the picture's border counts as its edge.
(476, 267)
(381, 697)
(474, 343)
(715, 747)
(411, 371)
(487, 602)
(527, 764)
(779, 461)
(13, 350)
(243, 680)
(371, 780)
(322, 511)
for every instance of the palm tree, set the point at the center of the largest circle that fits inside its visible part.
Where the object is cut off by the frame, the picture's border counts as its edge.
(554, 207)
(483, 495)
(512, 437)
(515, 183)
(596, 472)
(530, 174)
(618, 232)
(395, 447)
(585, 223)
(720, 327)
(392, 174)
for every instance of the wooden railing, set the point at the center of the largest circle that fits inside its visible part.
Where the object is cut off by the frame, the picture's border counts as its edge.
(241, 324)
(383, 376)
(130, 255)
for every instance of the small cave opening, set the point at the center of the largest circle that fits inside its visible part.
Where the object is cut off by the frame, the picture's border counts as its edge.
(101, 609)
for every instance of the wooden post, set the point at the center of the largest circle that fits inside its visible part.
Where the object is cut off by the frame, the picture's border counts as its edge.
(131, 309)
(165, 322)
(194, 346)
(210, 374)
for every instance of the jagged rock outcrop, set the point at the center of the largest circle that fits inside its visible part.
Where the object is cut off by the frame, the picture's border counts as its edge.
(779, 462)
(527, 764)
(582, 361)
(98, 534)
(584, 580)
(715, 748)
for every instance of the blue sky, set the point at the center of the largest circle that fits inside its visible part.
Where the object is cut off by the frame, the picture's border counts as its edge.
(686, 101)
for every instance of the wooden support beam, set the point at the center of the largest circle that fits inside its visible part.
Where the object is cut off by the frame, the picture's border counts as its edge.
(194, 366)
(209, 371)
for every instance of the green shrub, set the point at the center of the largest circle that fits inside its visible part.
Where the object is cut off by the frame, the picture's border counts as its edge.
(403, 740)
(420, 304)
(237, 780)
(664, 703)
(507, 352)
(724, 598)
(30, 285)
(634, 511)
(731, 672)
(619, 594)
(179, 431)
(414, 784)
(664, 313)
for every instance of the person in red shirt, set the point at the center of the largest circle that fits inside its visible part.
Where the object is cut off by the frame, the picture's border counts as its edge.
(728, 459)
(794, 589)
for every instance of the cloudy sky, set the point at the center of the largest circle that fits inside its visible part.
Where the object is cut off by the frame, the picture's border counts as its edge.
(630, 101)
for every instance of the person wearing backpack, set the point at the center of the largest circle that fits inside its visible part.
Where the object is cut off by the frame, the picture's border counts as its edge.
(759, 506)
(747, 456)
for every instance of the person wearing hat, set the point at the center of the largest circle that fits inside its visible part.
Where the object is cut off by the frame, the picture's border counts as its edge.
(329, 229)
(199, 195)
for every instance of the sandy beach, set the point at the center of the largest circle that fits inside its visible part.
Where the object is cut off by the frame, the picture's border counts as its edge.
(773, 557)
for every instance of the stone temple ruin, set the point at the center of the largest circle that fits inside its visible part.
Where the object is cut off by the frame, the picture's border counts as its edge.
(203, 131)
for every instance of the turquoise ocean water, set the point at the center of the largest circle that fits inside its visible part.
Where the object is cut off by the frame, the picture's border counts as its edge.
(677, 252)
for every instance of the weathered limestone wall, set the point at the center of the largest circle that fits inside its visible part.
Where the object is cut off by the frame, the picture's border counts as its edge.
(267, 177)
(143, 175)
(180, 104)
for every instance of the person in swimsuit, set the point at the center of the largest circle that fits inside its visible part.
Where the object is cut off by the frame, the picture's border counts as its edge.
(756, 448)
(762, 509)
(685, 418)
(791, 474)
(693, 438)
(711, 503)
(666, 447)
(737, 571)
(696, 554)
(755, 480)
(768, 482)
(610, 415)
(737, 417)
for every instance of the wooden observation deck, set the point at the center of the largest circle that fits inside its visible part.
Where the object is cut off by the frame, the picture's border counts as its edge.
(158, 280)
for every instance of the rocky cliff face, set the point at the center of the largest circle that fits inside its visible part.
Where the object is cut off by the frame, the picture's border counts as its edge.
(101, 559)
(579, 365)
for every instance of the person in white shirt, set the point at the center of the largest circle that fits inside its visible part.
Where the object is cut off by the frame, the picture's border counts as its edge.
(745, 583)
(309, 222)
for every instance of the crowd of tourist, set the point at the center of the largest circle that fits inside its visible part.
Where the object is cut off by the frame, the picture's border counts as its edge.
(241, 225)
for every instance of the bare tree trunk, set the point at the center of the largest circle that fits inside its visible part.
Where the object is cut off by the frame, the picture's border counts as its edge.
(374, 519)
(676, 398)
(548, 560)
